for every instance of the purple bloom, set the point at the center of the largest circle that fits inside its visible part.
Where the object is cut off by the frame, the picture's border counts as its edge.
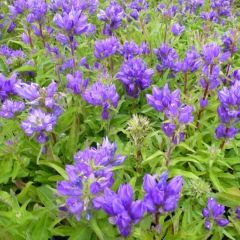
(163, 100)
(102, 95)
(167, 58)
(106, 48)
(7, 86)
(237, 211)
(135, 76)
(91, 171)
(76, 83)
(10, 54)
(26, 91)
(213, 213)
(9, 108)
(191, 5)
(112, 16)
(122, 210)
(161, 196)
(38, 123)
(137, 6)
(177, 29)
(230, 42)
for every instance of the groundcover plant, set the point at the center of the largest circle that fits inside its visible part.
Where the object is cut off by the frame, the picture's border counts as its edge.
(119, 119)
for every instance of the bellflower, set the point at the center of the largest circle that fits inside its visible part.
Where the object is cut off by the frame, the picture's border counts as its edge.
(177, 29)
(123, 211)
(178, 115)
(102, 95)
(191, 5)
(222, 7)
(112, 16)
(228, 111)
(230, 41)
(106, 48)
(161, 195)
(76, 83)
(213, 213)
(137, 6)
(7, 86)
(237, 211)
(167, 58)
(9, 108)
(88, 177)
(10, 54)
(38, 123)
(134, 76)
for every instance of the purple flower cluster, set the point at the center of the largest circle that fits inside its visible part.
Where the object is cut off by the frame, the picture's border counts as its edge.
(177, 29)
(191, 62)
(102, 95)
(10, 54)
(213, 213)
(44, 111)
(230, 42)
(9, 108)
(89, 176)
(135, 76)
(106, 48)
(76, 83)
(237, 211)
(137, 6)
(112, 15)
(7, 86)
(191, 5)
(228, 111)
(169, 12)
(167, 58)
(177, 114)
(131, 49)
(123, 211)
(161, 196)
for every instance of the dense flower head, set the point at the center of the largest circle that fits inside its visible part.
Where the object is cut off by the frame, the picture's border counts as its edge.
(222, 7)
(112, 15)
(10, 54)
(84, 5)
(167, 12)
(210, 16)
(131, 49)
(161, 195)
(7, 86)
(178, 114)
(102, 95)
(213, 213)
(177, 29)
(72, 23)
(135, 76)
(106, 48)
(237, 211)
(228, 111)
(76, 83)
(9, 108)
(191, 5)
(230, 42)
(191, 62)
(123, 211)
(38, 123)
(137, 6)
(167, 57)
(90, 175)
(37, 10)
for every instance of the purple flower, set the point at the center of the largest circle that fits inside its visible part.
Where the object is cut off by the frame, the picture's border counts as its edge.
(38, 123)
(76, 83)
(27, 91)
(106, 48)
(137, 6)
(7, 86)
(161, 196)
(237, 211)
(122, 210)
(213, 213)
(230, 41)
(177, 29)
(163, 100)
(112, 16)
(228, 111)
(11, 55)
(167, 58)
(191, 5)
(135, 76)
(102, 95)
(9, 108)
(91, 172)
